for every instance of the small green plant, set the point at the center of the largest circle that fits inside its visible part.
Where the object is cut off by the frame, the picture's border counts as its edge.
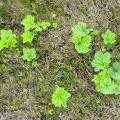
(83, 45)
(31, 28)
(82, 37)
(109, 37)
(7, 39)
(45, 24)
(29, 54)
(60, 97)
(101, 60)
(42, 26)
(29, 22)
(27, 36)
(115, 71)
(105, 84)
(55, 24)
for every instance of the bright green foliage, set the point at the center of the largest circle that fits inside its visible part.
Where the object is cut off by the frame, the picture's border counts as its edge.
(7, 39)
(109, 37)
(83, 46)
(115, 71)
(104, 84)
(28, 22)
(55, 24)
(29, 54)
(2, 45)
(42, 26)
(80, 29)
(38, 27)
(81, 37)
(117, 90)
(95, 32)
(27, 36)
(101, 60)
(45, 25)
(60, 97)
(76, 38)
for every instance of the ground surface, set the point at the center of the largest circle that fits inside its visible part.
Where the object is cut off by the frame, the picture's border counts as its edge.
(25, 92)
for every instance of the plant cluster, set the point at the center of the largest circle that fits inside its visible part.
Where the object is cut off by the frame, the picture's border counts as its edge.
(30, 30)
(8, 40)
(107, 79)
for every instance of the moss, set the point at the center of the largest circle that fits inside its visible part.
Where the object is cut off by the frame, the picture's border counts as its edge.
(3, 13)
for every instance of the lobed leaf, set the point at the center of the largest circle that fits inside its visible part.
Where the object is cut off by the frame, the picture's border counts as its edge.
(7, 39)
(38, 27)
(104, 84)
(101, 60)
(28, 54)
(81, 29)
(83, 46)
(115, 71)
(60, 97)
(80, 37)
(45, 25)
(109, 37)
(28, 22)
(27, 36)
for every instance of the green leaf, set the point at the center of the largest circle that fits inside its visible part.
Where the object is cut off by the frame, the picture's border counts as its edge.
(45, 25)
(101, 60)
(2, 46)
(80, 37)
(104, 84)
(7, 39)
(27, 36)
(28, 54)
(76, 38)
(81, 29)
(109, 37)
(83, 45)
(117, 90)
(38, 27)
(95, 32)
(60, 97)
(55, 24)
(28, 22)
(115, 71)
(48, 24)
